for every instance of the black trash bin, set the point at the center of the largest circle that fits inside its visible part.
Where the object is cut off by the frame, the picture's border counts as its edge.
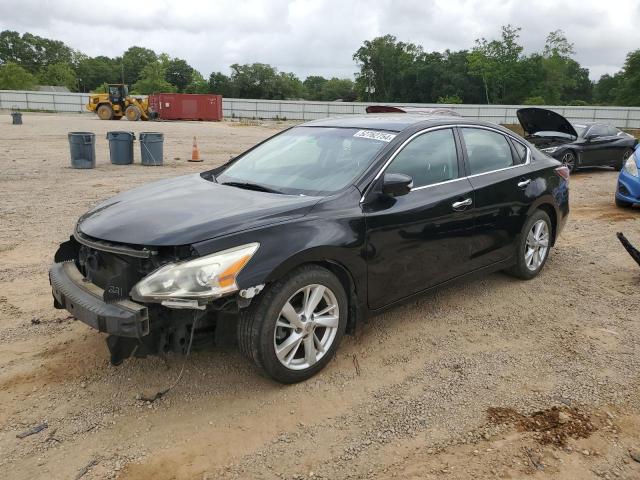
(121, 147)
(151, 148)
(83, 149)
(17, 118)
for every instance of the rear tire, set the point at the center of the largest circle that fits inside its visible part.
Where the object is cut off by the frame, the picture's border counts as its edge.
(105, 112)
(285, 334)
(132, 113)
(533, 246)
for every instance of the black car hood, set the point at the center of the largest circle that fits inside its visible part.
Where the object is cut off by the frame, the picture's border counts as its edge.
(186, 210)
(535, 120)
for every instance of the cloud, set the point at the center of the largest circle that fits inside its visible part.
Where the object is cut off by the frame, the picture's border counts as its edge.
(320, 36)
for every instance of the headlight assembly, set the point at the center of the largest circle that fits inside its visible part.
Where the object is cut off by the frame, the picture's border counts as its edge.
(203, 278)
(631, 167)
(549, 150)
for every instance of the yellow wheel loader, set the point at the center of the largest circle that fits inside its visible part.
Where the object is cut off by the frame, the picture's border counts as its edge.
(117, 103)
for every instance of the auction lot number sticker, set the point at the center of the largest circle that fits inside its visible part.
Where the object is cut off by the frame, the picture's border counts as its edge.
(373, 135)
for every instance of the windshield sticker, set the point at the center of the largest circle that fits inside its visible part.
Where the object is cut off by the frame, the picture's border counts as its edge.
(374, 135)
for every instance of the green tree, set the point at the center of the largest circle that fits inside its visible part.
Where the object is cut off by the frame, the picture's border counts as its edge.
(338, 89)
(629, 90)
(387, 69)
(313, 87)
(32, 52)
(256, 80)
(179, 73)
(197, 84)
(14, 77)
(605, 91)
(495, 62)
(59, 74)
(134, 61)
(220, 84)
(93, 72)
(152, 80)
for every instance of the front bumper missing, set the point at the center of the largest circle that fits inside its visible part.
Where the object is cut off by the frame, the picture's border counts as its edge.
(84, 301)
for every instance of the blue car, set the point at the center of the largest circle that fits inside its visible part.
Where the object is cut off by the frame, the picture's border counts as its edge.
(628, 190)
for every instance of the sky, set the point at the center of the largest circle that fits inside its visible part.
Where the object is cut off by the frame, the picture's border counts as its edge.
(319, 37)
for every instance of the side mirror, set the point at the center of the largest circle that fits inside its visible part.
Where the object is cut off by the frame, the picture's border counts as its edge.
(396, 184)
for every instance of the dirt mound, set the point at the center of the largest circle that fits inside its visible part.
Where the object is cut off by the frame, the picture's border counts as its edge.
(552, 426)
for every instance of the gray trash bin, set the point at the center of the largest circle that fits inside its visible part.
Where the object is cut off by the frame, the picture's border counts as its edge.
(83, 149)
(151, 145)
(121, 147)
(17, 118)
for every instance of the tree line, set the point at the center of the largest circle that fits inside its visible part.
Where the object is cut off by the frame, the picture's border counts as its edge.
(493, 71)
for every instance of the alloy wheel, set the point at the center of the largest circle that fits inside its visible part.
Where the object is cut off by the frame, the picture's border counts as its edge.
(569, 160)
(537, 245)
(625, 156)
(306, 327)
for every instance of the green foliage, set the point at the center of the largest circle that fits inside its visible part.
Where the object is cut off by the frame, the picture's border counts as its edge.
(152, 80)
(197, 84)
(220, 84)
(134, 61)
(629, 90)
(94, 71)
(534, 101)
(493, 71)
(31, 52)
(450, 99)
(59, 74)
(14, 77)
(179, 73)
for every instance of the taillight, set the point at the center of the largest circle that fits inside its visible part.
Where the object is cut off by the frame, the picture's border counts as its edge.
(563, 172)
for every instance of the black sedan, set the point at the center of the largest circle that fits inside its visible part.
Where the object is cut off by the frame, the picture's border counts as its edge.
(576, 145)
(304, 235)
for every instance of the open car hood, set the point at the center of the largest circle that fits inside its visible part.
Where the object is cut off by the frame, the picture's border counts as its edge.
(534, 120)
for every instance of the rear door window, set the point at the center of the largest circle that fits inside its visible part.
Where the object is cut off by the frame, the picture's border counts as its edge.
(486, 150)
(521, 152)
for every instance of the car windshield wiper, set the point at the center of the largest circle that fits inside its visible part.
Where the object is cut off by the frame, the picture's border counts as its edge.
(252, 186)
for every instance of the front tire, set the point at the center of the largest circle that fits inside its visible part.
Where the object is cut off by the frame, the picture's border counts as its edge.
(105, 112)
(132, 113)
(533, 247)
(293, 328)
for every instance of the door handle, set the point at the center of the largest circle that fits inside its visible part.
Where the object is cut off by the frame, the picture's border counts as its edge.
(524, 183)
(461, 204)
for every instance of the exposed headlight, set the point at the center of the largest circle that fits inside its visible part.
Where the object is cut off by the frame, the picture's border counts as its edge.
(631, 167)
(203, 278)
(549, 150)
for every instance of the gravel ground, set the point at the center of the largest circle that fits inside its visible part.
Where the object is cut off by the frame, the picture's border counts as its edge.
(406, 397)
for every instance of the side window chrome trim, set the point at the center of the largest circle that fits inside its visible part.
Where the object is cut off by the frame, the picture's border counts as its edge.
(442, 127)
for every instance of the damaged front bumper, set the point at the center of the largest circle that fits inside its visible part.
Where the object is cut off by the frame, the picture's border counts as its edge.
(84, 300)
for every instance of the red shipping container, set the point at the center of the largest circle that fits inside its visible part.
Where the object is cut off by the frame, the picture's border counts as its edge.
(186, 106)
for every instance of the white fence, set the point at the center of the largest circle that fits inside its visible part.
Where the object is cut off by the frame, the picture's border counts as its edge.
(50, 101)
(622, 117)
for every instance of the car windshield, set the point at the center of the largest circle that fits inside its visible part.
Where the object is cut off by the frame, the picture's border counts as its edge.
(580, 129)
(307, 160)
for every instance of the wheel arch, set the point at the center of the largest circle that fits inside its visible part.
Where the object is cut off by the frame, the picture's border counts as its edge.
(550, 210)
(353, 287)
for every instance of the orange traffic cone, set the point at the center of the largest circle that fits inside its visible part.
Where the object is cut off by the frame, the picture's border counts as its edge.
(195, 153)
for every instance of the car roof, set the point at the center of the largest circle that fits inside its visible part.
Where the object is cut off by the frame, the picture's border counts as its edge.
(393, 122)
